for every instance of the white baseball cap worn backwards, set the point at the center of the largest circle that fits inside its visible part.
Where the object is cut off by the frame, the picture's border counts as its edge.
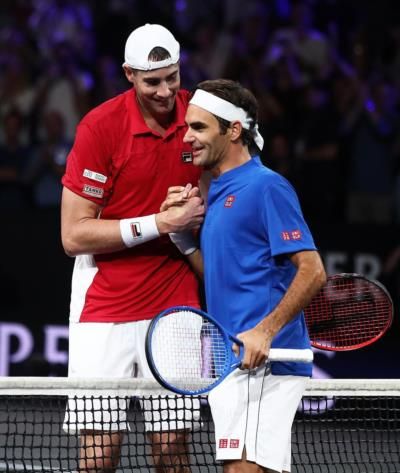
(141, 42)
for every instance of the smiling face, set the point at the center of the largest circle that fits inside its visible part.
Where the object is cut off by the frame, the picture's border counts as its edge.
(209, 146)
(155, 90)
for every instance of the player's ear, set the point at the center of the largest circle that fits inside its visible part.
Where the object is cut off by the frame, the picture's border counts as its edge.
(129, 73)
(236, 130)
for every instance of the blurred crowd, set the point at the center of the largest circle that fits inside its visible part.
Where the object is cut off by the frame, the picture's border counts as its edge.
(326, 74)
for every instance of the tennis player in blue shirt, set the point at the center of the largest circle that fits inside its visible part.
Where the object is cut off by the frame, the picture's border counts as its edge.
(261, 268)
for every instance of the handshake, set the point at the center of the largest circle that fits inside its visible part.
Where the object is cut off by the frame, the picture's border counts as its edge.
(181, 212)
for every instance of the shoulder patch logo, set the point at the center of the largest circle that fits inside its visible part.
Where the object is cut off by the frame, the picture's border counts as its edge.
(95, 176)
(93, 191)
(187, 157)
(291, 235)
(296, 235)
(229, 201)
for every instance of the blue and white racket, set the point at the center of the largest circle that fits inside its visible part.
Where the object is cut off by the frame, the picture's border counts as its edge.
(190, 353)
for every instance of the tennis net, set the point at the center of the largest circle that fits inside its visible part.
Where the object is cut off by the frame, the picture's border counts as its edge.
(343, 426)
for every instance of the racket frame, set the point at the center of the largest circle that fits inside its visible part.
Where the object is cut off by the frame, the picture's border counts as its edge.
(233, 363)
(371, 340)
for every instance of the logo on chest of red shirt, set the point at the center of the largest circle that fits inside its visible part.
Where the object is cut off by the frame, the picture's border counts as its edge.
(229, 201)
(187, 157)
(291, 235)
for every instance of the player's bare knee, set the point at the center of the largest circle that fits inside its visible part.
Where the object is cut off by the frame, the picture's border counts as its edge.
(97, 465)
(169, 442)
(99, 452)
(97, 462)
(235, 467)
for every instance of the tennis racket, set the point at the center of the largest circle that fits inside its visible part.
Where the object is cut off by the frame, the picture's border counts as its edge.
(190, 353)
(350, 312)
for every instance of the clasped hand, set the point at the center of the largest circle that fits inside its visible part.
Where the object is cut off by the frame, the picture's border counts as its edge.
(185, 207)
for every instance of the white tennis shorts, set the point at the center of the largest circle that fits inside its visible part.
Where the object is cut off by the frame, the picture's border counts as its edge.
(117, 350)
(255, 411)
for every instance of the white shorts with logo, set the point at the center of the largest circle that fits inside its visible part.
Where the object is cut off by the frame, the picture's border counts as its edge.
(255, 412)
(117, 350)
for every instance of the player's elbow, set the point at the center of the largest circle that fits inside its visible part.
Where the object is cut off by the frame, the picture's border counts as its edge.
(319, 275)
(313, 270)
(70, 245)
(70, 250)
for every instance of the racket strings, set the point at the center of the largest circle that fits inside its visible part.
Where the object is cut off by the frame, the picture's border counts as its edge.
(189, 352)
(348, 312)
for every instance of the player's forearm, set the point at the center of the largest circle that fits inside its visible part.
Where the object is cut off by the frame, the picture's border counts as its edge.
(84, 233)
(92, 236)
(309, 278)
(88, 235)
(96, 236)
(196, 262)
(188, 244)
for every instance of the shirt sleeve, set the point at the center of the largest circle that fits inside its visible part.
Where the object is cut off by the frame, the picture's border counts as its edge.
(284, 223)
(89, 166)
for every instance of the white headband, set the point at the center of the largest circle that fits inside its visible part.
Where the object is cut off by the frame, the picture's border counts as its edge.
(226, 110)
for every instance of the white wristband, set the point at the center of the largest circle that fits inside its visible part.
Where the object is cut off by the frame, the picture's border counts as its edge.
(184, 241)
(135, 231)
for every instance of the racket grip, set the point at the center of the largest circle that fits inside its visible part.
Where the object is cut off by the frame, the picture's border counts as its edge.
(285, 354)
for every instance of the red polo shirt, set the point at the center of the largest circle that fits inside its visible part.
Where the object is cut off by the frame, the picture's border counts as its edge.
(118, 162)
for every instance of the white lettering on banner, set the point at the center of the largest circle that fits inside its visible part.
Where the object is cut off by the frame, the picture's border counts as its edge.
(24, 337)
(335, 262)
(367, 264)
(53, 334)
(8, 331)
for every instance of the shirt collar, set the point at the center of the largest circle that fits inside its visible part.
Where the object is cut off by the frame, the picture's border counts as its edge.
(139, 126)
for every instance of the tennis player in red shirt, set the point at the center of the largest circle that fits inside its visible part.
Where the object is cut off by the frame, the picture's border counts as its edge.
(127, 152)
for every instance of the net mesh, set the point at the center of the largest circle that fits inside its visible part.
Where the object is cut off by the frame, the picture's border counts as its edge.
(341, 426)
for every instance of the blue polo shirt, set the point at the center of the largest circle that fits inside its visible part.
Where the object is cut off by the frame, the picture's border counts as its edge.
(253, 221)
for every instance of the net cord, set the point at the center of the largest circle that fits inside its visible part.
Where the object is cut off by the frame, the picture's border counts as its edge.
(114, 387)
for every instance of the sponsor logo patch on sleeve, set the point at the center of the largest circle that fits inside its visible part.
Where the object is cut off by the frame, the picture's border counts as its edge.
(291, 235)
(93, 191)
(296, 235)
(229, 201)
(95, 176)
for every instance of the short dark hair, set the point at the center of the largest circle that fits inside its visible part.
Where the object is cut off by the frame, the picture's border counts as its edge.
(238, 95)
(158, 54)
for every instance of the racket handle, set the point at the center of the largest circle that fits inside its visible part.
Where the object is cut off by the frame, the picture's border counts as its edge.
(285, 354)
